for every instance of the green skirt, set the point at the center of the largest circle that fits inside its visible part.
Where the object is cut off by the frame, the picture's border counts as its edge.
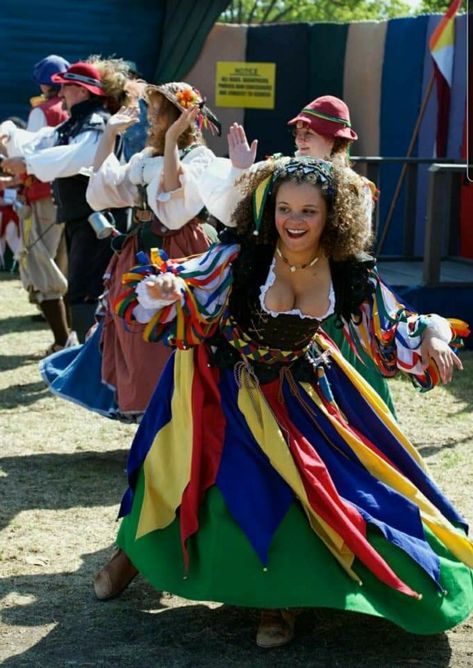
(301, 572)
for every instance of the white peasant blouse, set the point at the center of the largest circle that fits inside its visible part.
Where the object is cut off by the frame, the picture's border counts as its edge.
(115, 185)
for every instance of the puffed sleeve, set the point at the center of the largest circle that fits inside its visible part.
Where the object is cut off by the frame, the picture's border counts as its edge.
(22, 143)
(36, 120)
(61, 161)
(178, 207)
(204, 281)
(391, 333)
(369, 194)
(219, 188)
(109, 187)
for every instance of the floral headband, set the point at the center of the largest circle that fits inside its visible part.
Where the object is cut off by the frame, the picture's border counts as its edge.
(309, 170)
(184, 96)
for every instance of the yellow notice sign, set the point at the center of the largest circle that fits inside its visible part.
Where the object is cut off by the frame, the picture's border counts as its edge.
(240, 84)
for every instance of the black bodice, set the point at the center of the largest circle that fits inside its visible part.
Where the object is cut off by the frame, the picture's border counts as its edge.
(284, 331)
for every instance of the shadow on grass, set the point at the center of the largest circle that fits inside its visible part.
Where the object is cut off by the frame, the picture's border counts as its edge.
(22, 395)
(429, 450)
(462, 385)
(140, 629)
(9, 362)
(61, 481)
(21, 323)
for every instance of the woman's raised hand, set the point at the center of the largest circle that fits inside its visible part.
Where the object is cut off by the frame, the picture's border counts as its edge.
(241, 153)
(164, 286)
(185, 120)
(123, 119)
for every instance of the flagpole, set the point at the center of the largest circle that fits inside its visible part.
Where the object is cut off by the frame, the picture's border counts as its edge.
(403, 173)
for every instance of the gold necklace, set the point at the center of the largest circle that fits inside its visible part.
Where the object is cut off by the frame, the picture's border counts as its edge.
(293, 267)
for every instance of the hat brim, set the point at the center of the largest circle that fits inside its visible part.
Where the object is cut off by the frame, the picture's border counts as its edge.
(59, 79)
(150, 88)
(325, 128)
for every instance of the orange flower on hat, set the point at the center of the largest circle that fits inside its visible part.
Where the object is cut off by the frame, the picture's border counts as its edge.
(187, 98)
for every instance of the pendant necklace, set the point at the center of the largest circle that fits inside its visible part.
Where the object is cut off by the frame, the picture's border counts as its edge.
(293, 267)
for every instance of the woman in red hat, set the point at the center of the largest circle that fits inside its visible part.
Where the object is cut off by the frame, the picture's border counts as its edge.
(324, 127)
(61, 155)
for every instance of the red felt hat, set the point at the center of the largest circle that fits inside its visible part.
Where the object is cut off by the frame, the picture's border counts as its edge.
(328, 116)
(82, 74)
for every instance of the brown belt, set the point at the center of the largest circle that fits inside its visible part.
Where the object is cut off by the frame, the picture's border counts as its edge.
(157, 227)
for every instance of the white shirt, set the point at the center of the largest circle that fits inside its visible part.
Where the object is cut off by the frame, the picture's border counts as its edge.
(115, 185)
(45, 160)
(36, 120)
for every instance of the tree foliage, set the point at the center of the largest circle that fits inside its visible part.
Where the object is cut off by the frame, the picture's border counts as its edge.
(436, 6)
(275, 11)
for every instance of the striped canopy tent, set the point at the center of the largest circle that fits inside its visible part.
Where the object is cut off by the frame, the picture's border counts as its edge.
(381, 69)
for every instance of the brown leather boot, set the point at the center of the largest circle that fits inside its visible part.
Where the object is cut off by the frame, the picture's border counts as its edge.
(114, 577)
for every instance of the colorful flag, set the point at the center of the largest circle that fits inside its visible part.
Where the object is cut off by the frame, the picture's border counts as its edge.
(442, 45)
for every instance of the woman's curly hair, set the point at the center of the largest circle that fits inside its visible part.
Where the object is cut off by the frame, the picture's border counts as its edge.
(115, 74)
(192, 135)
(345, 233)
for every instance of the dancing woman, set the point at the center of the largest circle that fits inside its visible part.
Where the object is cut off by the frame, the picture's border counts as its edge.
(266, 472)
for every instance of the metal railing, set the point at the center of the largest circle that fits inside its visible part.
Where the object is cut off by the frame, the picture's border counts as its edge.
(442, 210)
(442, 206)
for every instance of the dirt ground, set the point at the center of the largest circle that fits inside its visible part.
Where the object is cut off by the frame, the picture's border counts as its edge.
(61, 478)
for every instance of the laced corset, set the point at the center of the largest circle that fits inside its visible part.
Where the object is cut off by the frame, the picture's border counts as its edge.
(268, 341)
(286, 330)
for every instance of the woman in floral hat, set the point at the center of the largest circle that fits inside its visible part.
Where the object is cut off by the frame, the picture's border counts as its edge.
(113, 373)
(159, 183)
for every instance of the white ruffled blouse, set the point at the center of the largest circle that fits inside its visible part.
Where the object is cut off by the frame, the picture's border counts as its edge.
(295, 311)
(115, 185)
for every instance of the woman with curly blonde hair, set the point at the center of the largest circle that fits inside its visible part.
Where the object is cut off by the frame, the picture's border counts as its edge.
(266, 472)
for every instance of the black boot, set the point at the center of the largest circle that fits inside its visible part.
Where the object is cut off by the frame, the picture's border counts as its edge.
(55, 313)
(83, 317)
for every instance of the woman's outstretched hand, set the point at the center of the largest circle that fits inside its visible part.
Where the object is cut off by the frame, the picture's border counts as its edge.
(123, 119)
(185, 120)
(434, 348)
(241, 153)
(165, 286)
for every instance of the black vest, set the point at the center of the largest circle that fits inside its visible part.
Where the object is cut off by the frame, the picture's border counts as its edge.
(69, 192)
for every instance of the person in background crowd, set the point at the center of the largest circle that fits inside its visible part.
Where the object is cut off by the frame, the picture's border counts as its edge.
(10, 187)
(42, 262)
(60, 155)
(112, 373)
